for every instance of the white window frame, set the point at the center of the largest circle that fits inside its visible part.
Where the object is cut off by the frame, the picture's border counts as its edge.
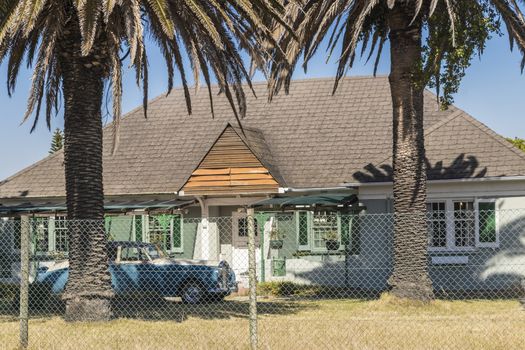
(173, 249)
(451, 234)
(447, 225)
(310, 231)
(496, 213)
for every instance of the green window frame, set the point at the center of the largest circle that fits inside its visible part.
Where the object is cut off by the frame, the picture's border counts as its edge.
(303, 229)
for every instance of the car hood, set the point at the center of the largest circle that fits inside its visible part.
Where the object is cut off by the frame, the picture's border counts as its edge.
(185, 262)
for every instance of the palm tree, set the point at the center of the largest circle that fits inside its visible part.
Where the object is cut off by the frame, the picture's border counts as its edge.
(431, 44)
(74, 47)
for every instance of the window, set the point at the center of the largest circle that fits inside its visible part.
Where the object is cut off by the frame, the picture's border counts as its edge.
(302, 230)
(60, 233)
(166, 231)
(462, 224)
(49, 234)
(130, 254)
(314, 229)
(324, 226)
(488, 223)
(243, 227)
(40, 228)
(437, 224)
(240, 229)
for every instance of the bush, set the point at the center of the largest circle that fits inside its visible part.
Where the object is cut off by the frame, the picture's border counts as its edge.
(286, 289)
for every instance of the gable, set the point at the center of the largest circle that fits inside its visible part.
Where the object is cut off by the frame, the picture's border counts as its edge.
(230, 167)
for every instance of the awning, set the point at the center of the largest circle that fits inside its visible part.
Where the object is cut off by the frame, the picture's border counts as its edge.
(109, 206)
(324, 200)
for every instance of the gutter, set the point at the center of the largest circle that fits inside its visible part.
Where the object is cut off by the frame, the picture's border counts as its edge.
(317, 189)
(444, 181)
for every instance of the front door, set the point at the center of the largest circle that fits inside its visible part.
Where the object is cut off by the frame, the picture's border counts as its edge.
(240, 245)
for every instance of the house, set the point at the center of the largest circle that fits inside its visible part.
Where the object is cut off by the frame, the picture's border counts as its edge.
(312, 164)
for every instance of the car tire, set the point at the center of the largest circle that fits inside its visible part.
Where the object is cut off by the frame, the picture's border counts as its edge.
(192, 293)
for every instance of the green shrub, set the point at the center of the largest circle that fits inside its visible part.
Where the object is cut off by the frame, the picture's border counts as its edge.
(286, 289)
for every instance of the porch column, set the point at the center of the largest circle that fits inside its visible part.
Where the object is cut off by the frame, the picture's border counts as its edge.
(207, 246)
(205, 229)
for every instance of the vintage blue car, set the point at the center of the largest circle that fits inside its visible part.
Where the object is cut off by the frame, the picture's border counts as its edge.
(142, 268)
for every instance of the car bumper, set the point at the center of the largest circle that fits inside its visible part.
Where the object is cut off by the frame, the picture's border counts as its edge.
(224, 291)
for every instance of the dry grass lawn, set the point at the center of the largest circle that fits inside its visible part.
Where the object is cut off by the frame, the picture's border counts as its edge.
(285, 324)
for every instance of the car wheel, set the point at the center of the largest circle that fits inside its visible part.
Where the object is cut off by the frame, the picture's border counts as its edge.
(192, 293)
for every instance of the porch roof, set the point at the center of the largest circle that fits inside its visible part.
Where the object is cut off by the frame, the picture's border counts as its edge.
(312, 200)
(109, 206)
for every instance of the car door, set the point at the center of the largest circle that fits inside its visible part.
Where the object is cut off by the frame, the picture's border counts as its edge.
(127, 270)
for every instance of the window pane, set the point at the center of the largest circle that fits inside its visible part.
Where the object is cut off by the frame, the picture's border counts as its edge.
(487, 222)
(160, 231)
(437, 225)
(324, 227)
(41, 234)
(177, 231)
(303, 228)
(464, 224)
(243, 227)
(345, 229)
(61, 244)
(130, 254)
(138, 228)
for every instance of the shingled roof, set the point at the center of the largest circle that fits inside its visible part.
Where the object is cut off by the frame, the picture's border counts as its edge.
(316, 139)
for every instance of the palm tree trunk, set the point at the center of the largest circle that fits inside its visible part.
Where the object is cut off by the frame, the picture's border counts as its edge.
(88, 290)
(410, 277)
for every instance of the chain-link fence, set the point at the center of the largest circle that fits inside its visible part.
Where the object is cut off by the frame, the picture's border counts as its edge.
(270, 280)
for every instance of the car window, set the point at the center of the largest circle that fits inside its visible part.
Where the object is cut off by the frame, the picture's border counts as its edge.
(130, 254)
(153, 252)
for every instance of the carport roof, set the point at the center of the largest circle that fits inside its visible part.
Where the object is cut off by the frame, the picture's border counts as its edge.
(109, 206)
(309, 200)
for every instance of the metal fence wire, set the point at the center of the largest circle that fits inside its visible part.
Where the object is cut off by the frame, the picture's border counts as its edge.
(271, 280)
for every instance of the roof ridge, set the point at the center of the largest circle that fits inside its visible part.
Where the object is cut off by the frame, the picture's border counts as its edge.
(435, 126)
(500, 139)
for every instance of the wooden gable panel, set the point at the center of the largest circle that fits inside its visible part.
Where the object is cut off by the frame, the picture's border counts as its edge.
(230, 167)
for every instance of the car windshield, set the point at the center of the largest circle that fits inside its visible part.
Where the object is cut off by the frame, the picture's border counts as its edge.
(153, 252)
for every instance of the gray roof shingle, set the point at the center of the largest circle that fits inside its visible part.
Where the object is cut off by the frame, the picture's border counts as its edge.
(316, 139)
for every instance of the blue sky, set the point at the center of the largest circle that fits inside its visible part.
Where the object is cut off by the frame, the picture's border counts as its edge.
(492, 91)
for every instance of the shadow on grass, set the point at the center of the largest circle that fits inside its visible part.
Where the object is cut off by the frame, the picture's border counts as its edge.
(173, 309)
(165, 309)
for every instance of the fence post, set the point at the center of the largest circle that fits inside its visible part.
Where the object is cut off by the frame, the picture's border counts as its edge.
(24, 281)
(252, 275)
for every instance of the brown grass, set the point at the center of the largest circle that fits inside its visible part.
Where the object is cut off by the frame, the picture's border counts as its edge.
(334, 324)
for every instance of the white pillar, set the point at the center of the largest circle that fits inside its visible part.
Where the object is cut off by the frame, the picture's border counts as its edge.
(205, 244)
(205, 229)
